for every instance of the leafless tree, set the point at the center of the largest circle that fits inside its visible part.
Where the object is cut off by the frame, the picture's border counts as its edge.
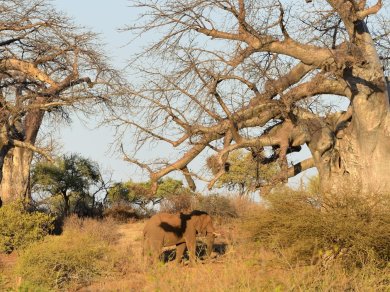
(47, 65)
(261, 75)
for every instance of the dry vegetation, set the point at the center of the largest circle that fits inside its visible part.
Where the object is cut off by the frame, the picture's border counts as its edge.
(286, 246)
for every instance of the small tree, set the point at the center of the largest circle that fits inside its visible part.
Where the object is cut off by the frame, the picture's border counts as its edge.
(19, 228)
(132, 193)
(140, 194)
(73, 180)
(245, 172)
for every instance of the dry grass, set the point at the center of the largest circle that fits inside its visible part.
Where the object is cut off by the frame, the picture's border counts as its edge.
(245, 265)
(355, 231)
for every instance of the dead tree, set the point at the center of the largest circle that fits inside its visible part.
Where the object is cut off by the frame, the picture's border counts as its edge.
(261, 75)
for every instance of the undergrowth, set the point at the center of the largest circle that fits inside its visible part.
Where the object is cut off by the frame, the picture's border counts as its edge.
(295, 242)
(75, 258)
(20, 228)
(352, 230)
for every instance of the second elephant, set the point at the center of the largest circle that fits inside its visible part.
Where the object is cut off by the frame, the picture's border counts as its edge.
(166, 229)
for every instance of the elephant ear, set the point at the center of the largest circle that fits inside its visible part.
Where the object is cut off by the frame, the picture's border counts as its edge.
(205, 224)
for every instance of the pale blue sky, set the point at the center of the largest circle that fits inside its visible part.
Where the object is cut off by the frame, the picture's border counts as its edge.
(106, 17)
(103, 17)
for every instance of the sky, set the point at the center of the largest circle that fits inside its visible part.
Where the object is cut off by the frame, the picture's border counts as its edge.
(82, 136)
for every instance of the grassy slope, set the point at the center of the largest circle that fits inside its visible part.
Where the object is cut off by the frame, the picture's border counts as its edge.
(244, 266)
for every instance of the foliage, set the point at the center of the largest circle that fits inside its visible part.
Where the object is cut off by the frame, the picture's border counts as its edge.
(132, 193)
(19, 228)
(244, 172)
(170, 187)
(122, 213)
(245, 266)
(178, 203)
(70, 184)
(351, 229)
(74, 258)
(177, 198)
(140, 195)
(216, 205)
(50, 67)
(249, 270)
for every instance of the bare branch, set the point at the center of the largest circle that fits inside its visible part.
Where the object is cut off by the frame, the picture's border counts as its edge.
(31, 147)
(369, 11)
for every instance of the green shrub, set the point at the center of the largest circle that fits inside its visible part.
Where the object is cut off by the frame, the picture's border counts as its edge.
(75, 258)
(354, 230)
(19, 228)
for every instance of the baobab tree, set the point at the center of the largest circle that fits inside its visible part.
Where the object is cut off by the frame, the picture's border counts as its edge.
(47, 65)
(261, 75)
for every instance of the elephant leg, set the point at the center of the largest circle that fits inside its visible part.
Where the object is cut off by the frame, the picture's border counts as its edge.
(210, 243)
(153, 249)
(180, 248)
(191, 245)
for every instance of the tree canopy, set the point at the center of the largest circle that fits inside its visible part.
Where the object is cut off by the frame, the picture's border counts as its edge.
(48, 68)
(73, 180)
(244, 172)
(264, 76)
(139, 193)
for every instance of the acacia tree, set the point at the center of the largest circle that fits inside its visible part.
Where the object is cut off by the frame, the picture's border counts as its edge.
(75, 180)
(47, 65)
(244, 74)
(140, 194)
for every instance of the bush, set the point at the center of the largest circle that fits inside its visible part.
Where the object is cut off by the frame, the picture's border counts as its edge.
(59, 261)
(19, 228)
(102, 230)
(75, 258)
(216, 205)
(354, 230)
(122, 213)
(177, 203)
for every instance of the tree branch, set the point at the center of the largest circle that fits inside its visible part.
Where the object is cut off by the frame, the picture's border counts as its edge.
(31, 147)
(369, 11)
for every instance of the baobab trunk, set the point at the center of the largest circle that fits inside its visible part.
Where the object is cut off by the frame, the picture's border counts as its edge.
(359, 157)
(17, 163)
(358, 161)
(16, 173)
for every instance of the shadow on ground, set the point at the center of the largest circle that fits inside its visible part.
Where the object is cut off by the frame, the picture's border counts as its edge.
(218, 248)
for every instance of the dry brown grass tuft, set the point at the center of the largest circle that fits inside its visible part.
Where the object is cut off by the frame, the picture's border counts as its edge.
(244, 264)
(352, 230)
(102, 230)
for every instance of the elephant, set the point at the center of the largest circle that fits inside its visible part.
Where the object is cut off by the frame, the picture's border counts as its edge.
(166, 229)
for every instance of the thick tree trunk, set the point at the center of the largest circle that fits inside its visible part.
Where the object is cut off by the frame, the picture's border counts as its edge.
(16, 167)
(357, 157)
(4, 148)
(16, 172)
(358, 162)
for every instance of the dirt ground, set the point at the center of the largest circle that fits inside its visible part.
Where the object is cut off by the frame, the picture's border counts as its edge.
(7, 264)
(134, 279)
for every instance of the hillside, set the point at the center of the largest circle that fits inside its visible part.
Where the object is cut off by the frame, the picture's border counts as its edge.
(238, 264)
